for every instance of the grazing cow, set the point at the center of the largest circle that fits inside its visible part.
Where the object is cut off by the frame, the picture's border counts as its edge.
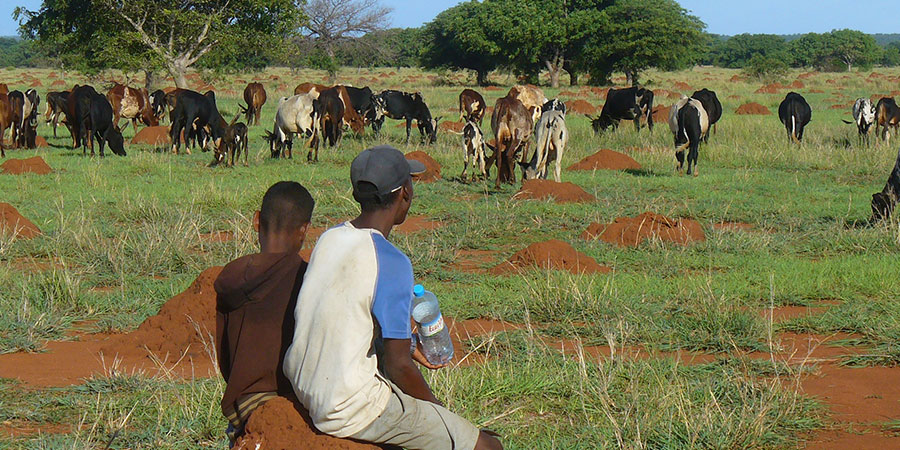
(25, 107)
(634, 103)
(56, 105)
(350, 118)
(883, 202)
(331, 117)
(473, 145)
(554, 105)
(193, 114)
(689, 124)
(132, 104)
(530, 96)
(6, 120)
(405, 106)
(512, 126)
(887, 116)
(232, 144)
(711, 105)
(93, 119)
(296, 115)
(552, 136)
(255, 98)
(794, 113)
(471, 106)
(158, 103)
(17, 103)
(864, 117)
(368, 105)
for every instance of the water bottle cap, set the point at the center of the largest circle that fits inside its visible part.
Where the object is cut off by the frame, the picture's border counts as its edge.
(418, 290)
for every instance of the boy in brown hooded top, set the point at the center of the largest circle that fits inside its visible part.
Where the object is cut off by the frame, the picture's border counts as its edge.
(255, 298)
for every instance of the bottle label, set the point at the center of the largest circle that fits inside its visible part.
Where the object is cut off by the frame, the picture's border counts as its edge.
(433, 327)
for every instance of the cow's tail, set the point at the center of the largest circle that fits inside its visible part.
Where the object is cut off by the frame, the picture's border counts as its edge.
(794, 128)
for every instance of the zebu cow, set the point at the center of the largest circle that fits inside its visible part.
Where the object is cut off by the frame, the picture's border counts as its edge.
(530, 96)
(689, 124)
(193, 114)
(473, 146)
(331, 117)
(133, 104)
(368, 105)
(6, 120)
(795, 114)
(887, 116)
(863, 117)
(471, 106)
(350, 117)
(551, 136)
(296, 115)
(634, 103)
(512, 126)
(255, 98)
(410, 106)
(25, 112)
(711, 105)
(92, 118)
(56, 105)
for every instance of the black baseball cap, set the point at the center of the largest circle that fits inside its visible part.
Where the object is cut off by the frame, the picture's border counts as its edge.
(380, 170)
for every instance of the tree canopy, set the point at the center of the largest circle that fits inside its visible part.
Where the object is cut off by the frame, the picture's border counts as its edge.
(457, 39)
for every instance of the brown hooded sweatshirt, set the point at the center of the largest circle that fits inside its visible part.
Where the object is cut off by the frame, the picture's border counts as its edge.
(255, 298)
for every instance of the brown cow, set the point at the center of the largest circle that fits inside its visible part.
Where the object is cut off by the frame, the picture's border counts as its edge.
(304, 88)
(887, 116)
(351, 118)
(255, 97)
(471, 106)
(4, 89)
(133, 104)
(6, 119)
(512, 125)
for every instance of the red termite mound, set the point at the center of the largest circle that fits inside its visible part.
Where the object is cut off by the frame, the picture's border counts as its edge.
(631, 231)
(11, 222)
(560, 192)
(753, 108)
(580, 107)
(152, 136)
(606, 159)
(432, 168)
(553, 254)
(29, 165)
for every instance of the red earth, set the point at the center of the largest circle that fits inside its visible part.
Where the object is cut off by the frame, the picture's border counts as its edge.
(11, 222)
(34, 164)
(631, 231)
(752, 108)
(432, 167)
(548, 189)
(551, 255)
(606, 159)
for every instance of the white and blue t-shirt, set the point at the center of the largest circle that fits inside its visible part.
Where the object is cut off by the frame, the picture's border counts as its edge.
(356, 283)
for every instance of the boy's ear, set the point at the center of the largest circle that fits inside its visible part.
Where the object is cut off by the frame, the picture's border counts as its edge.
(256, 221)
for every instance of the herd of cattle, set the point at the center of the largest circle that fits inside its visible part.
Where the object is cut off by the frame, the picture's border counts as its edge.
(321, 113)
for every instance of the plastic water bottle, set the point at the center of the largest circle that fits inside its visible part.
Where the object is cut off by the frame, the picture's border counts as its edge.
(433, 334)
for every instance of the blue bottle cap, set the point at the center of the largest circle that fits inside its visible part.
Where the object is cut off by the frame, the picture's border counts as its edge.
(418, 290)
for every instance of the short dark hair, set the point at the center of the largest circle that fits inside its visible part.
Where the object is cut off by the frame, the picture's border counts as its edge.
(376, 202)
(286, 206)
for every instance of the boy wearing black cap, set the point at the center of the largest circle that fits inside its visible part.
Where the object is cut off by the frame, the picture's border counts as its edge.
(349, 362)
(255, 297)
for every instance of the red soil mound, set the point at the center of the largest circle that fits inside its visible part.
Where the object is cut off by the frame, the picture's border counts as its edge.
(682, 86)
(12, 222)
(432, 168)
(797, 84)
(769, 89)
(552, 255)
(661, 113)
(152, 136)
(40, 142)
(580, 107)
(560, 192)
(492, 88)
(282, 424)
(31, 165)
(606, 159)
(816, 91)
(58, 83)
(734, 96)
(36, 83)
(736, 79)
(414, 224)
(631, 231)
(184, 327)
(455, 127)
(752, 108)
(806, 75)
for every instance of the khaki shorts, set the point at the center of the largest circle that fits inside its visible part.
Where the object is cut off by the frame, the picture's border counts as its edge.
(416, 424)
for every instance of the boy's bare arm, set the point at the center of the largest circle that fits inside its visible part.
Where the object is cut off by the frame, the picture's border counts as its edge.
(400, 368)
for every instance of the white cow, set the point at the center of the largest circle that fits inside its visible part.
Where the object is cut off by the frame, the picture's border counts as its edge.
(864, 117)
(552, 136)
(296, 115)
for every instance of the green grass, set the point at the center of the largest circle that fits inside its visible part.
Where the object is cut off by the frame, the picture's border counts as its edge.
(135, 223)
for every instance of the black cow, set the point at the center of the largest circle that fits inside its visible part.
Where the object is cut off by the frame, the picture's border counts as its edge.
(883, 202)
(711, 105)
(56, 105)
(692, 126)
(631, 103)
(93, 119)
(403, 105)
(794, 113)
(331, 116)
(194, 113)
(158, 103)
(367, 105)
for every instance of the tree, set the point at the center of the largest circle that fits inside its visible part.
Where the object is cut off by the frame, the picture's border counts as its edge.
(891, 55)
(172, 34)
(854, 47)
(736, 51)
(635, 35)
(332, 22)
(456, 39)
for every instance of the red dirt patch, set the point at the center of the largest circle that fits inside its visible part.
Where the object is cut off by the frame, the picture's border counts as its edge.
(455, 127)
(769, 89)
(784, 313)
(569, 94)
(631, 231)
(816, 91)
(30, 165)
(39, 142)
(661, 113)
(606, 159)
(551, 255)
(472, 261)
(21, 428)
(414, 224)
(432, 168)
(11, 222)
(752, 108)
(736, 78)
(806, 75)
(492, 88)
(797, 84)
(217, 236)
(560, 192)
(733, 226)
(36, 83)
(33, 265)
(682, 86)
(152, 136)
(734, 96)
(58, 83)
(282, 424)
(580, 107)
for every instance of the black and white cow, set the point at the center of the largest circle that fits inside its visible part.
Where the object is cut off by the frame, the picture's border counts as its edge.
(863, 117)
(410, 106)
(689, 124)
(56, 105)
(193, 114)
(794, 113)
(632, 103)
(473, 146)
(554, 105)
(367, 105)
(711, 104)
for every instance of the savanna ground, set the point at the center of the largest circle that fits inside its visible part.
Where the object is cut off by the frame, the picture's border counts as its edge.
(750, 339)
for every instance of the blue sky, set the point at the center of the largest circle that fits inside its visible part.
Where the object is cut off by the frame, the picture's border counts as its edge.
(721, 16)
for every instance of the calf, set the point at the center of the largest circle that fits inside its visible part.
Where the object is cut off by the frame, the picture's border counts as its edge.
(255, 98)
(512, 126)
(473, 145)
(133, 104)
(552, 136)
(689, 124)
(864, 117)
(471, 106)
(634, 103)
(794, 113)
(887, 116)
(296, 115)
(530, 96)
(711, 105)
(56, 105)
(192, 114)
(232, 144)
(405, 106)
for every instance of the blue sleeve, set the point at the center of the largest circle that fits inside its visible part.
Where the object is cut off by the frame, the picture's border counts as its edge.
(393, 290)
